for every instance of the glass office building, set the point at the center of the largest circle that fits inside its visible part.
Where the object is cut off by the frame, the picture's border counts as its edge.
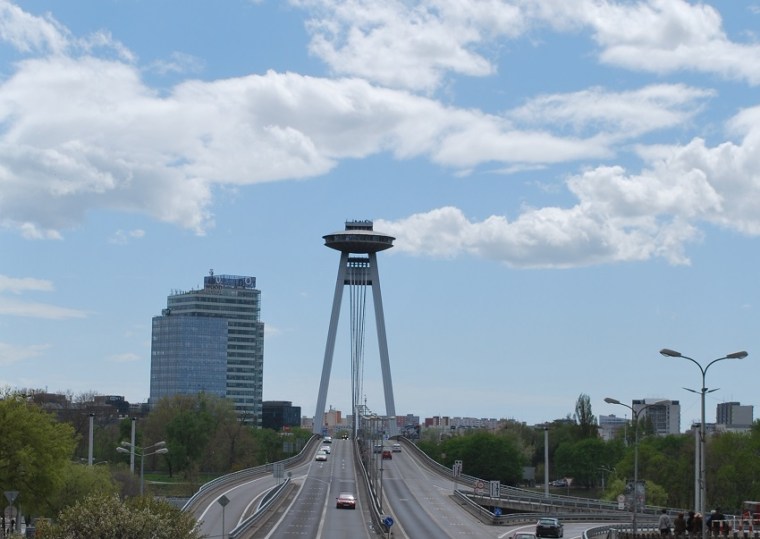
(212, 340)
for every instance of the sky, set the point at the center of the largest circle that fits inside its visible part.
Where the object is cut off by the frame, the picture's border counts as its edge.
(572, 186)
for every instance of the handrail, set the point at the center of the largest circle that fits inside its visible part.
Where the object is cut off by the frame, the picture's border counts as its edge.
(257, 470)
(271, 497)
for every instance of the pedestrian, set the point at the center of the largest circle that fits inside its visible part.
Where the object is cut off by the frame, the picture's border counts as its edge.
(690, 523)
(698, 519)
(679, 525)
(717, 522)
(664, 523)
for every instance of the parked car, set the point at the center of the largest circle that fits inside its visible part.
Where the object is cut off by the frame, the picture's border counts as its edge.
(549, 527)
(321, 455)
(346, 500)
(387, 454)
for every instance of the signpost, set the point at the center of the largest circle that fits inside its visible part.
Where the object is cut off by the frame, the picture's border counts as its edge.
(388, 521)
(456, 471)
(11, 496)
(223, 500)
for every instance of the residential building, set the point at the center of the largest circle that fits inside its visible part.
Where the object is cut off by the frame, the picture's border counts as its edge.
(212, 340)
(733, 414)
(665, 416)
(609, 425)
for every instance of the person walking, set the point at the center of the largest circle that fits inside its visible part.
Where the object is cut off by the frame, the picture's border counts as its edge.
(679, 526)
(690, 524)
(664, 523)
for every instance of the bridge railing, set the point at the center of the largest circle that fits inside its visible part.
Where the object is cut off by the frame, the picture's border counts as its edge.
(256, 471)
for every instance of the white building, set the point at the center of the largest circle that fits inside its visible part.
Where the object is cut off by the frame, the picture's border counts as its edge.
(665, 416)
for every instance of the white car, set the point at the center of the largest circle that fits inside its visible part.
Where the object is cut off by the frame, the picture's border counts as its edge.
(326, 449)
(321, 455)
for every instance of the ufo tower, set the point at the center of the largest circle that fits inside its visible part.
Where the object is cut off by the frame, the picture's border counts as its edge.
(358, 245)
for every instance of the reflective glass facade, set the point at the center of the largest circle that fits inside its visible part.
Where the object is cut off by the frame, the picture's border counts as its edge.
(234, 302)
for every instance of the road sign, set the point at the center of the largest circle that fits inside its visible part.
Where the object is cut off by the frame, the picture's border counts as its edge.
(495, 489)
(223, 500)
(11, 495)
(388, 521)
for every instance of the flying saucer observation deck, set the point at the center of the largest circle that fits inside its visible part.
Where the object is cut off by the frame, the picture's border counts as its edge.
(358, 238)
(357, 273)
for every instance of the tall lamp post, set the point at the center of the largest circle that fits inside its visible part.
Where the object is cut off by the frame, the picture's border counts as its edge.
(142, 452)
(636, 413)
(700, 497)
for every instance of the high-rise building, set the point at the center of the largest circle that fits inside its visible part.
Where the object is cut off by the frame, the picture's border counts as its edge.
(733, 414)
(665, 416)
(277, 415)
(212, 340)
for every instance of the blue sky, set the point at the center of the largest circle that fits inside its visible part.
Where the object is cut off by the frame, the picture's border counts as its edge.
(573, 186)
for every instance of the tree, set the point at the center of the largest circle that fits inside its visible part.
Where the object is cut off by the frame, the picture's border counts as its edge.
(486, 455)
(99, 516)
(587, 427)
(34, 452)
(80, 481)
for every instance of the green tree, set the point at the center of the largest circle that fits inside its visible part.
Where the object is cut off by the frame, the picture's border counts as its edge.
(485, 455)
(79, 481)
(587, 427)
(34, 452)
(98, 516)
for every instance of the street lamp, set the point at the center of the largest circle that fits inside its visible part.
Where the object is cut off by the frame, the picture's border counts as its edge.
(636, 413)
(700, 493)
(142, 452)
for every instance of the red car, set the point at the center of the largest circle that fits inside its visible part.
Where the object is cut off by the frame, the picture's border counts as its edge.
(346, 500)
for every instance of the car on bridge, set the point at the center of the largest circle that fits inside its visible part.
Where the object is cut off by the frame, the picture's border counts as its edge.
(346, 500)
(321, 456)
(549, 527)
(524, 535)
(326, 448)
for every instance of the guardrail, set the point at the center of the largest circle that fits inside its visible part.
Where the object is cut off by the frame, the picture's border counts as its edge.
(269, 500)
(534, 501)
(251, 472)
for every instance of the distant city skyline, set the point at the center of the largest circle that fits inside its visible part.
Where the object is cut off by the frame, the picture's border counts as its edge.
(572, 187)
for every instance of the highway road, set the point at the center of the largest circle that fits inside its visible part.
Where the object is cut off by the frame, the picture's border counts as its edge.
(419, 501)
(312, 512)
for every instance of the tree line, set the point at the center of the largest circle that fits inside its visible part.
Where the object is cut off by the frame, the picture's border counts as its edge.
(45, 459)
(605, 468)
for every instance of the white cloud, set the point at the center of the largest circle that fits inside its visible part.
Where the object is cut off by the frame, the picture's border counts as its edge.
(37, 310)
(127, 357)
(10, 354)
(618, 216)
(122, 237)
(24, 284)
(406, 45)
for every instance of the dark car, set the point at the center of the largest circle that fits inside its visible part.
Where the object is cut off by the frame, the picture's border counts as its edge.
(549, 527)
(346, 500)
(387, 454)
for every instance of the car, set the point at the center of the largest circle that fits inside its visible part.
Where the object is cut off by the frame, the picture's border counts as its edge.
(397, 448)
(321, 455)
(346, 500)
(344, 436)
(378, 448)
(326, 448)
(327, 440)
(559, 483)
(524, 535)
(549, 527)
(387, 454)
